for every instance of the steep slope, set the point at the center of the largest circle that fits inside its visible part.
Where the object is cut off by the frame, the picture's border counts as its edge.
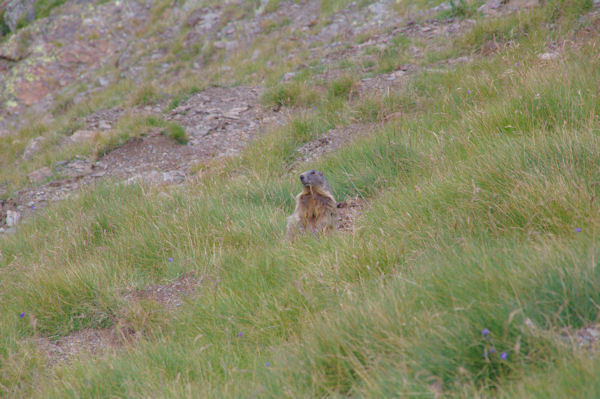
(463, 138)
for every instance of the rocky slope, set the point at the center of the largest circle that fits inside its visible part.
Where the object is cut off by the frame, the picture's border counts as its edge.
(89, 49)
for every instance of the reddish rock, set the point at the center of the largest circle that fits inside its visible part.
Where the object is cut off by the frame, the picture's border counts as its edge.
(32, 92)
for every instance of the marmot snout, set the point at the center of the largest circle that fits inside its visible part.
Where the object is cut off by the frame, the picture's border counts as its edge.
(314, 178)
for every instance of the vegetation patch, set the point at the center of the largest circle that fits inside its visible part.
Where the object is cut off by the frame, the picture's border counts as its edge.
(176, 132)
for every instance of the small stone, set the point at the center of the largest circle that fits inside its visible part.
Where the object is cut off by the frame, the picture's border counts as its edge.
(547, 56)
(40, 175)
(100, 173)
(12, 218)
(173, 177)
(516, 5)
(156, 178)
(288, 76)
(104, 125)
(234, 113)
(442, 7)
(81, 136)
(379, 9)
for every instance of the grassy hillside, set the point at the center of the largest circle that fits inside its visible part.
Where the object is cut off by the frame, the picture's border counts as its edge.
(469, 274)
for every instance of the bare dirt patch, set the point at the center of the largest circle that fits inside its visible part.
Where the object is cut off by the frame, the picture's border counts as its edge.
(144, 154)
(221, 120)
(587, 338)
(387, 83)
(348, 210)
(89, 341)
(329, 142)
(169, 295)
(104, 119)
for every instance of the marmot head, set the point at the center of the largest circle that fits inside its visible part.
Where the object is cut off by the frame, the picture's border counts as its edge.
(315, 179)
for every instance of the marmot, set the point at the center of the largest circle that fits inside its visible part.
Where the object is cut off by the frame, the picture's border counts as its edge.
(315, 206)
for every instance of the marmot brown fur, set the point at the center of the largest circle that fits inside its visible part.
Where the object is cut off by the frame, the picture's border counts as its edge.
(316, 208)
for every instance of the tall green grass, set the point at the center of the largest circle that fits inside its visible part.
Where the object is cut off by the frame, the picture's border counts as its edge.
(482, 215)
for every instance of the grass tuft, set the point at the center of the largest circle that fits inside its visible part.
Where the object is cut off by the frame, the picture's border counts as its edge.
(176, 132)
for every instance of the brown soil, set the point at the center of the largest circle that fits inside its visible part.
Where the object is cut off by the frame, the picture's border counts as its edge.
(587, 338)
(330, 142)
(169, 295)
(348, 211)
(89, 341)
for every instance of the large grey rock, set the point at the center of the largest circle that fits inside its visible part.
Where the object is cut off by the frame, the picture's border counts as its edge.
(17, 11)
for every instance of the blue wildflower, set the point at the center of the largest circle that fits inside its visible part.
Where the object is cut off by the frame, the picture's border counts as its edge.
(21, 315)
(503, 355)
